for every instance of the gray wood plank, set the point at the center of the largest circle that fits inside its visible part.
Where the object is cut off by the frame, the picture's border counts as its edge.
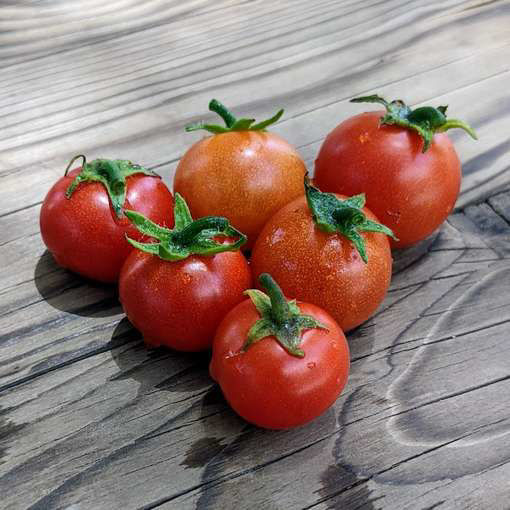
(90, 419)
(56, 96)
(100, 100)
(143, 429)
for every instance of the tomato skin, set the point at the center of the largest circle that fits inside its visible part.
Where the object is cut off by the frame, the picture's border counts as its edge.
(84, 234)
(271, 388)
(245, 176)
(323, 268)
(409, 191)
(180, 304)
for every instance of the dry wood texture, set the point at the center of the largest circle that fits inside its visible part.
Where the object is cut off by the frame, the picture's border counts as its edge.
(89, 419)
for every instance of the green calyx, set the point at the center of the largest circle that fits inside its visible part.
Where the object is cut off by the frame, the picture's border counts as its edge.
(188, 237)
(231, 122)
(426, 120)
(332, 214)
(111, 173)
(279, 318)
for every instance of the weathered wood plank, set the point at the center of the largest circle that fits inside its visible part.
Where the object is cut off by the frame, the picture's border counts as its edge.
(89, 418)
(80, 314)
(154, 420)
(89, 110)
(311, 105)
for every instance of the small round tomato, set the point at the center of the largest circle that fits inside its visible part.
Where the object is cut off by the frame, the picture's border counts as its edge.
(328, 250)
(242, 172)
(279, 364)
(82, 220)
(177, 290)
(401, 159)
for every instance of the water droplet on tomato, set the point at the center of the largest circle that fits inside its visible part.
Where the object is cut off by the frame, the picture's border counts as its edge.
(277, 236)
(395, 214)
(311, 364)
(364, 137)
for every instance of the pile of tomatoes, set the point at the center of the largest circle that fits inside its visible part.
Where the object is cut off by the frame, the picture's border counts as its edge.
(321, 260)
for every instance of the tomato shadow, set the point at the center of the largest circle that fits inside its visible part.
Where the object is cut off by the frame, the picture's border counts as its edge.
(406, 257)
(231, 445)
(361, 341)
(219, 440)
(69, 292)
(159, 370)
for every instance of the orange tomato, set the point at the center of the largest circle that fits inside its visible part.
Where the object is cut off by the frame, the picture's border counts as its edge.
(243, 175)
(324, 268)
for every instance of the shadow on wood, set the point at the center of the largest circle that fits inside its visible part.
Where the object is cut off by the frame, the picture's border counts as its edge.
(69, 292)
(159, 369)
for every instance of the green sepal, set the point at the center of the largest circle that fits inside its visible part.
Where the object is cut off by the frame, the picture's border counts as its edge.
(231, 122)
(260, 126)
(153, 249)
(188, 237)
(112, 174)
(260, 300)
(260, 330)
(425, 120)
(146, 226)
(182, 214)
(331, 214)
(279, 317)
(242, 125)
(212, 128)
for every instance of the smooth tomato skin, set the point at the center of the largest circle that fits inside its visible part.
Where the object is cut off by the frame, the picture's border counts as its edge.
(267, 386)
(409, 191)
(180, 304)
(84, 234)
(245, 176)
(322, 268)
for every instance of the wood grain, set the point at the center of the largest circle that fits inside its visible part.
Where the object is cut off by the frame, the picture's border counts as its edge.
(90, 419)
(154, 420)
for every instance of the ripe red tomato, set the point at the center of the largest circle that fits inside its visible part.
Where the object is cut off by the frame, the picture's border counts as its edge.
(407, 167)
(316, 261)
(85, 233)
(274, 379)
(242, 172)
(177, 291)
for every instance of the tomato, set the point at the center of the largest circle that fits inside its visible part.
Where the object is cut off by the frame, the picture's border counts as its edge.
(334, 255)
(408, 169)
(242, 172)
(85, 230)
(279, 364)
(176, 291)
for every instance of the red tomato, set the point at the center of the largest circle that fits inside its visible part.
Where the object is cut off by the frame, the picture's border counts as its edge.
(324, 267)
(409, 190)
(244, 175)
(267, 385)
(84, 234)
(177, 290)
(180, 304)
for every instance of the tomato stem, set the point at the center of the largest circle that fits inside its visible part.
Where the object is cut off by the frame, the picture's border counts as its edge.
(425, 120)
(219, 108)
(331, 214)
(188, 237)
(111, 173)
(279, 318)
(231, 122)
(279, 306)
(188, 233)
(78, 156)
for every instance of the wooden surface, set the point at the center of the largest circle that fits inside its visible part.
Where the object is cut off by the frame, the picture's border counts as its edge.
(90, 419)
